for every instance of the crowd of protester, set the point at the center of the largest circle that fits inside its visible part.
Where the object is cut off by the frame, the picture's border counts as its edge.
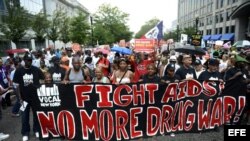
(66, 66)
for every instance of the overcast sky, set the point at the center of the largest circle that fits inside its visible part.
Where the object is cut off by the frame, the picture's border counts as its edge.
(140, 11)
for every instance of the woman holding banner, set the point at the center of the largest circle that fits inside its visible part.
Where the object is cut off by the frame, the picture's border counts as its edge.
(123, 75)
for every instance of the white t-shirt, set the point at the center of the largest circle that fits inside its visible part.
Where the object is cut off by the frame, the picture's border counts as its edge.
(223, 65)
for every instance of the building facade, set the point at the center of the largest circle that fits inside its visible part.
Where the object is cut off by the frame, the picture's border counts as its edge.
(211, 18)
(72, 8)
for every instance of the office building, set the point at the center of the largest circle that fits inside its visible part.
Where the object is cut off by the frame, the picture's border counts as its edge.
(213, 18)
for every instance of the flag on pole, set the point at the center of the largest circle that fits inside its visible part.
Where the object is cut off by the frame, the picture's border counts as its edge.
(155, 33)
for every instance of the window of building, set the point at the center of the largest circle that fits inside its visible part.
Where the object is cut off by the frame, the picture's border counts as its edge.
(228, 2)
(234, 1)
(228, 14)
(209, 31)
(221, 3)
(216, 18)
(227, 29)
(232, 29)
(201, 32)
(220, 30)
(221, 16)
(2, 7)
(217, 4)
(33, 6)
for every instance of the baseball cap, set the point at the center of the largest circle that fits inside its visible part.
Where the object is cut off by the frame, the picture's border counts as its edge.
(172, 58)
(170, 66)
(27, 57)
(213, 62)
(197, 62)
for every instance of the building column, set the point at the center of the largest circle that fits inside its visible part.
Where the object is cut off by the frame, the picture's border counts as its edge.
(240, 28)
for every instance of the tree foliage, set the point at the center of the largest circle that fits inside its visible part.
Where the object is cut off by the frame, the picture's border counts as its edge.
(39, 26)
(16, 22)
(53, 30)
(64, 30)
(110, 25)
(79, 29)
(146, 27)
(176, 34)
(189, 31)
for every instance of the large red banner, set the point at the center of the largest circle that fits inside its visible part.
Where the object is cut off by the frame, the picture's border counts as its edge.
(123, 112)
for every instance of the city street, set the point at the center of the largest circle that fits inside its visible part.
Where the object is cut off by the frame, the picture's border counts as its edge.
(12, 126)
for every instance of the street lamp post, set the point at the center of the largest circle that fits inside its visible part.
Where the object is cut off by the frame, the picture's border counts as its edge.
(92, 32)
(196, 23)
(177, 28)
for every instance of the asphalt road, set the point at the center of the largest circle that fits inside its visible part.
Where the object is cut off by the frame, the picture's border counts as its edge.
(12, 126)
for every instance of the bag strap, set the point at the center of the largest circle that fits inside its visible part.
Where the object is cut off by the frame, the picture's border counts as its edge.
(122, 76)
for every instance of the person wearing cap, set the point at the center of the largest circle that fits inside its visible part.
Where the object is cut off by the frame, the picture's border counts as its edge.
(212, 72)
(238, 70)
(173, 60)
(57, 72)
(198, 67)
(186, 71)
(170, 76)
(28, 79)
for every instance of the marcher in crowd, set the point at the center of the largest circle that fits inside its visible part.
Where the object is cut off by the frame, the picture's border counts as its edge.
(99, 77)
(212, 73)
(123, 75)
(28, 79)
(170, 77)
(76, 74)
(151, 75)
(198, 67)
(57, 72)
(186, 71)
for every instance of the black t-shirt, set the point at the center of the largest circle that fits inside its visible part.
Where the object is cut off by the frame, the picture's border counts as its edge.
(206, 75)
(183, 73)
(231, 72)
(171, 79)
(57, 74)
(146, 79)
(28, 80)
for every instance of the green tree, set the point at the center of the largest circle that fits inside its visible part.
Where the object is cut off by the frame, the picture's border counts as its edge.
(53, 30)
(79, 29)
(110, 25)
(146, 27)
(189, 31)
(16, 22)
(65, 29)
(39, 26)
(171, 35)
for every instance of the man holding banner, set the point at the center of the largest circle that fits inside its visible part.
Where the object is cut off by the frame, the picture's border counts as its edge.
(27, 78)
